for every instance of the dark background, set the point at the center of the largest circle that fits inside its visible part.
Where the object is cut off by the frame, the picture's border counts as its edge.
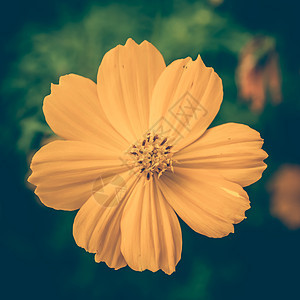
(42, 40)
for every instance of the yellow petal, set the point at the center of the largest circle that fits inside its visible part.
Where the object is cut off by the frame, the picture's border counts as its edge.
(97, 227)
(150, 231)
(231, 150)
(125, 82)
(73, 112)
(208, 203)
(67, 172)
(185, 100)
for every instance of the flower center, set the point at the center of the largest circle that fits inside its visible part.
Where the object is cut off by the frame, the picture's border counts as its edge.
(152, 155)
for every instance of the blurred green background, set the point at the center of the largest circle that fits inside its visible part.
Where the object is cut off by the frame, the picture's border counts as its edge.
(42, 40)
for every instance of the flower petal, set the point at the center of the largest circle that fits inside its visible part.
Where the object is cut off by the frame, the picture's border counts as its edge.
(125, 82)
(232, 150)
(150, 231)
(208, 203)
(97, 224)
(73, 112)
(186, 98)
(67, 172)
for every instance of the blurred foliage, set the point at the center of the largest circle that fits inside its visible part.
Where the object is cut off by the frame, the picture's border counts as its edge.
(37, 247)
(198, 28)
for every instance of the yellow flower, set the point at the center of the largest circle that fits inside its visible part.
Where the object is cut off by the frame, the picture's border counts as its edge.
(285, 195)
(259, 72)
(137, 150)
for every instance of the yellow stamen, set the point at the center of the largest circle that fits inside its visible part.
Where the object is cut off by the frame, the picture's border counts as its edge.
(152, 155)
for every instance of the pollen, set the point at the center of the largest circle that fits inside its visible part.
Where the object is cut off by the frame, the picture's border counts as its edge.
(152, 155)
